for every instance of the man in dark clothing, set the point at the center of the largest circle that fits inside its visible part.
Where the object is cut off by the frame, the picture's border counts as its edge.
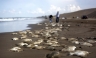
(57, 17)
(50, 18)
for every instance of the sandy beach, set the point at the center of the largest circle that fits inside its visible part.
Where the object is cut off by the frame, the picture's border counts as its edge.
(82, 30)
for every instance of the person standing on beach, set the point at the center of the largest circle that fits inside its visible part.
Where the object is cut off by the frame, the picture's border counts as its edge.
(57, 17)
(50, 18)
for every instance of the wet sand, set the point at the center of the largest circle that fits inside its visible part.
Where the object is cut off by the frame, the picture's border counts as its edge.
(78, 29)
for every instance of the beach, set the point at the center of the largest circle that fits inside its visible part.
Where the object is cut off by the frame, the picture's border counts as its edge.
(80, 29)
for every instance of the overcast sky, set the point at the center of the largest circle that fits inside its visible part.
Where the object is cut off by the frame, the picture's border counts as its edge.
(34, 8)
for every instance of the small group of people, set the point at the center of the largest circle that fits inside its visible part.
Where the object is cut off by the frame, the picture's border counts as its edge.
(57, 17)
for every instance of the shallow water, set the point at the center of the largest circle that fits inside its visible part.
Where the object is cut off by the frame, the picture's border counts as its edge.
(17, 25)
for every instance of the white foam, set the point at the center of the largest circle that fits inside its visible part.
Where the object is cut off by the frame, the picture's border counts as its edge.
(6, 19)
(13, 19)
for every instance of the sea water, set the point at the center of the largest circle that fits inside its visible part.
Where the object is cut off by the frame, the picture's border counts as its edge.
(17, 24)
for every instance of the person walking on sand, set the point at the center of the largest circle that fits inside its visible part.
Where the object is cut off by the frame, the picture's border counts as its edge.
(50, 18)
(57, 17)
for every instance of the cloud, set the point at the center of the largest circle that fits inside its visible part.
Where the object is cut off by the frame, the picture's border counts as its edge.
(68, 8)
(4, 11)
(54, 8)
(19, 12)
(62, 3)
(63, 6)
(37, 11)
(72, 8)
(12, 11)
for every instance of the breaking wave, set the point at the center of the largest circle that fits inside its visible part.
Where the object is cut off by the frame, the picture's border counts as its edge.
(17, 24)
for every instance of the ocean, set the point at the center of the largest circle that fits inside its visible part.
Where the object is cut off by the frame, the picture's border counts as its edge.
(17, 24)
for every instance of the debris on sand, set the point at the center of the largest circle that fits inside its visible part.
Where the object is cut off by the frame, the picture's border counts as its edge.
(91, 41)
(76, 42)
(72, 39)
(27, 40)
(14, 33)
(49, 38)
(51, 48)
(53, 55)
(16, 49)
(63, 38)
(86, 44)
(69, 48)
(79, 53)
(15, 38)
(22, 44)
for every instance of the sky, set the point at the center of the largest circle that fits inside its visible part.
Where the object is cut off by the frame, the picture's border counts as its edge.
(34, 8)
